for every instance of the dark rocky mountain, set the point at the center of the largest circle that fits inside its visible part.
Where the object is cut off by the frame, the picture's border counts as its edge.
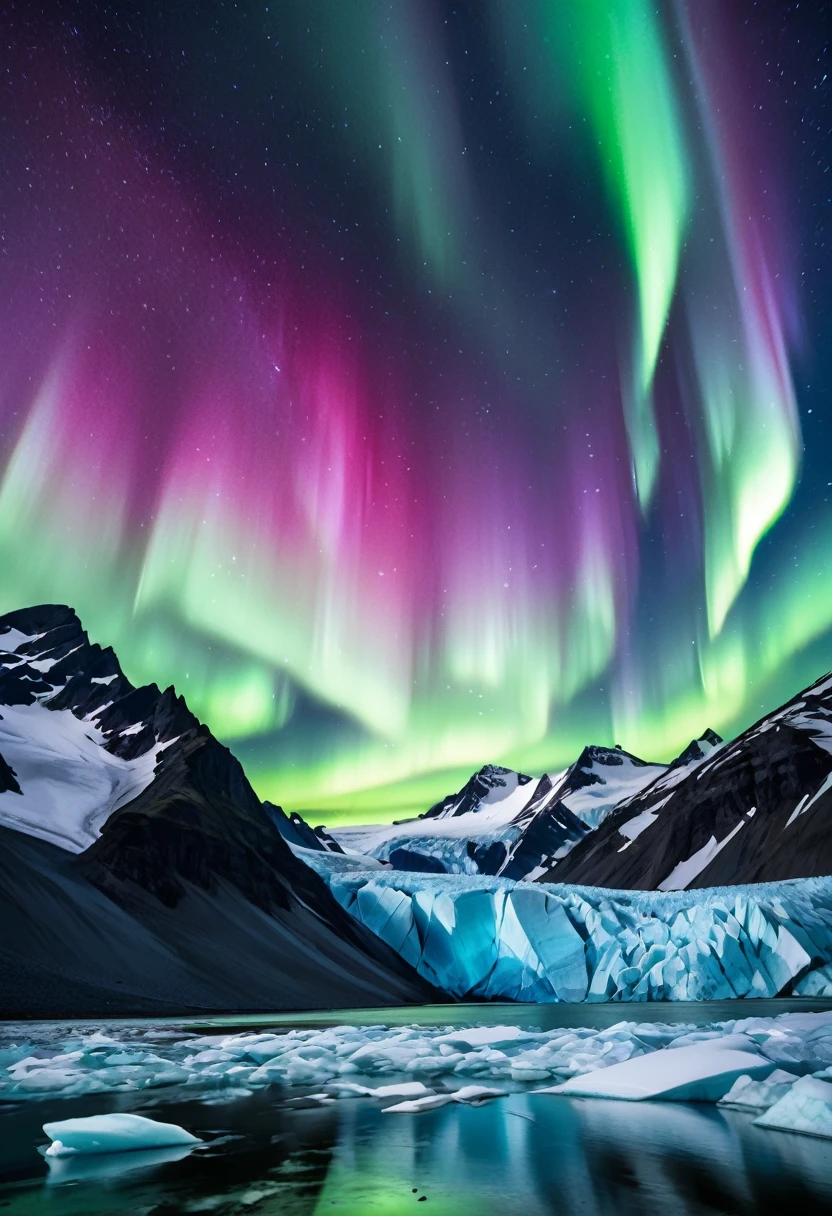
(490, 780)
(753, 810)
(506, 823)
(8, 778)
(139, 872)
(298, 834)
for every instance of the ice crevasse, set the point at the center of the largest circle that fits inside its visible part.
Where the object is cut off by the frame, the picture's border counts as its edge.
(499, 939)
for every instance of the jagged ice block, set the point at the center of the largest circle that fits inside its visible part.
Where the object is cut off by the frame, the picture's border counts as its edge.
(494, 938)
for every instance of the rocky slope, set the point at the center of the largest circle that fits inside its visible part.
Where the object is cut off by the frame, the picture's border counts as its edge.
(508, 824)
(753, 810)
(139, 871)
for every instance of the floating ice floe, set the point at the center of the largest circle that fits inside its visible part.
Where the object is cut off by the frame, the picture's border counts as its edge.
(748, 1094)
(477, 936)
(114, 1133)
(417, 1105)
(806, 1107)
(405, 1062)
(701, 1072)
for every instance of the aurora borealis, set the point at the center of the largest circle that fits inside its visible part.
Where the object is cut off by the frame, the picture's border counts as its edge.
(417, 385)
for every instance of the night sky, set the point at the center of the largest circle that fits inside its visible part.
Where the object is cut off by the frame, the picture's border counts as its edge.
(422, 384)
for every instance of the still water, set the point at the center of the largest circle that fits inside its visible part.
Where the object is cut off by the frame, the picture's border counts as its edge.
(276, 1152)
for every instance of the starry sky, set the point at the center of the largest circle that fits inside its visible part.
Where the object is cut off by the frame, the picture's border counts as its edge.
(421, 384)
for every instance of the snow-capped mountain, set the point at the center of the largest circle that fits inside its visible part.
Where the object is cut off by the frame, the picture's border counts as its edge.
(138, 869)
(753, 810)
(509, 824)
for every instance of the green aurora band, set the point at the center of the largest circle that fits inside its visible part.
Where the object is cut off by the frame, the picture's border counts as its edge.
(359, 590)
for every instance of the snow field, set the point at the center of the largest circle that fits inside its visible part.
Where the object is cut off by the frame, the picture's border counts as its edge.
(70, 784)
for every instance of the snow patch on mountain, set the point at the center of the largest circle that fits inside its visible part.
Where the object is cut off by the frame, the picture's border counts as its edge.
(70, 784)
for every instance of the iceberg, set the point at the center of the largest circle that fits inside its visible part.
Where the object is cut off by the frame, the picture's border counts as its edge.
(468, 1095)
(485, 937)
(748, 1094)
(702, 1072)
(405, 1089)
(806, 1108)
(115, 1133)
(477, 1093)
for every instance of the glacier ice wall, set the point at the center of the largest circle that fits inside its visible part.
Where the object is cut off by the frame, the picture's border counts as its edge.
(498, 939)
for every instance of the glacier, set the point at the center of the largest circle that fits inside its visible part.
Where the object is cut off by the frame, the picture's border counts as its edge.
(508, 823)
(497, 939)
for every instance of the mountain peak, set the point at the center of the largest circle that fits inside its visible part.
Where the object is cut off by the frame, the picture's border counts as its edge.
(125, 821)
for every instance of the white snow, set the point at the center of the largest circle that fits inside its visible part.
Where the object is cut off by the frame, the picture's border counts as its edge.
(592, 803)
(684, 873)
(13, 639)
(698, 1073)
(806, 1107)
(499, 807)
(823, 685)
(115, 1133)
(634, 827)
(132, 730)
(70, 784)
(806, 801)
(818, 728)
(103, 679)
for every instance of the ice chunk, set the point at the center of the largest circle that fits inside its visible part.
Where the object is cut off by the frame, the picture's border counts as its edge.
(685, 1074)
(477, 1093)
(115, 1133)
(806, 1107)
(748, 1094)
(477, 1036)
(418, 1105)
(406, 1062)
(405, 1089)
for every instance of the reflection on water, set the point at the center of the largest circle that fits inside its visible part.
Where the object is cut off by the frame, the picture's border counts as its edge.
(542, 1017)
(528, 1154)
(101, 1166)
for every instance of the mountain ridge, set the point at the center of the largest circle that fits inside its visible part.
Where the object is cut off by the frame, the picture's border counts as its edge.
(187, 859)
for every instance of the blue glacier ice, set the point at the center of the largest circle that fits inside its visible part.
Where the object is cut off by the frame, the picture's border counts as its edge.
(805, 1107)
(477, 936)
(113, 1133)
